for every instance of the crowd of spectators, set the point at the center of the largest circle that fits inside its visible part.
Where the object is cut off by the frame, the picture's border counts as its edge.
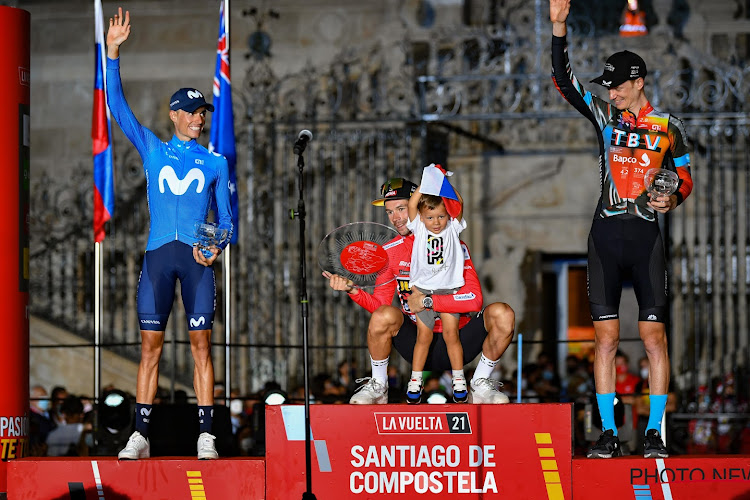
(61, 424)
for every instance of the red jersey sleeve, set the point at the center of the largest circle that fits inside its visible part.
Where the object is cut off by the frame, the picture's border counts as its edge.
(380, 296)
(469, 297)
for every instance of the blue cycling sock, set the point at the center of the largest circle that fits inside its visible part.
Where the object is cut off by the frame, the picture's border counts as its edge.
(205, 418)
(142, 417)
(606, 404)
(657, 404)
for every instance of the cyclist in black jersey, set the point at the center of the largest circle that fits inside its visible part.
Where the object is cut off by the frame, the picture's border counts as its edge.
(625, 241)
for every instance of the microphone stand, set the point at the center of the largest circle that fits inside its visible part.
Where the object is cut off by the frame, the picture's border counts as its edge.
(299, 214)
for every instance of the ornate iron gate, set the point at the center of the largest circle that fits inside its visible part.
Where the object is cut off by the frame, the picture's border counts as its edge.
(463, 94)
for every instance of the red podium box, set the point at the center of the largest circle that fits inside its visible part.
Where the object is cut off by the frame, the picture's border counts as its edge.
(431, 451)
(678, 478)
(94, 478)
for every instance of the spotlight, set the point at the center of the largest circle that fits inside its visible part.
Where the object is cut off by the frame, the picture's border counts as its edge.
(275, 397)
(436, 397)
(114, 413)
(115, 422)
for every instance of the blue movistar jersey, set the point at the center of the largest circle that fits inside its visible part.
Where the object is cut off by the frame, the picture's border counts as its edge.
(180, 176)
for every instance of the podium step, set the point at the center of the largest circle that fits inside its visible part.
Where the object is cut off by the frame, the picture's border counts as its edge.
(431, 451)
(105, 478)
(675, 478)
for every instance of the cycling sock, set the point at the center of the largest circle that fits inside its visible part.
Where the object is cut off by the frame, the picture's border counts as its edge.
(380, 370)
(142, 417)
(606, 404)
(484, 368)
(657, 404)
(205, 418)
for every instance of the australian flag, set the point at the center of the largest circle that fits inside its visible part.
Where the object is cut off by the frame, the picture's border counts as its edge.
(101, 135)
(222, 122)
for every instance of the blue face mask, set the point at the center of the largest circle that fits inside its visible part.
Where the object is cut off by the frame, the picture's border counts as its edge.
(548, 375)
(43, 404)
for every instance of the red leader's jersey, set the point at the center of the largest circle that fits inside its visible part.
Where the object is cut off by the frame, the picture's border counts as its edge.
(467, 300)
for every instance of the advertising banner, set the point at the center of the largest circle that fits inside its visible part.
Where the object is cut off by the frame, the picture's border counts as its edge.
(675, 478)
(425, 451)
(15, 87)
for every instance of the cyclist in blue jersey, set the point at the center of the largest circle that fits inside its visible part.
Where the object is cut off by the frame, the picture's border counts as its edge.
(182, 177)
(625, 240)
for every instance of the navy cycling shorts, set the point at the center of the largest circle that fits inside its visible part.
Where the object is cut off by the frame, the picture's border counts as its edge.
(471, 336)
(156, 288)
(626, 247)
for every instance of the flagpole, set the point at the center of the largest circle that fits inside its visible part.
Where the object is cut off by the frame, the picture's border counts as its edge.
(227, 274)
(98, 268)
(227, 323)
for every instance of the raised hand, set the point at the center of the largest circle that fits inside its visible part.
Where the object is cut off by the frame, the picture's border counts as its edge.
(559, 10)
(118, 32)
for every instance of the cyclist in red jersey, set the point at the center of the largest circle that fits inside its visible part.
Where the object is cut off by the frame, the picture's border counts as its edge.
(625, 240)
(489, 333)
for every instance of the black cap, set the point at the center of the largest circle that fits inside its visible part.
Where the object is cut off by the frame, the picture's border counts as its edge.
(396, 188)
(621, 67)
(189, 100)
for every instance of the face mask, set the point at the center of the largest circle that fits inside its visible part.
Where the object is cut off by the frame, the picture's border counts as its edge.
(235, 406)
(644, 372)
(548, 375)
(621, 369)
(43, 404)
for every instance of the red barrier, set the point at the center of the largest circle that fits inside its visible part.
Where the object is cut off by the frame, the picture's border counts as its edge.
(14, 205)
(106, 477)
(678, 478)
(434, 451)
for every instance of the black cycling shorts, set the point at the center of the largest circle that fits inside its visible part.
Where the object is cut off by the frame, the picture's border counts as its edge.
(471, 336)
(626, 247)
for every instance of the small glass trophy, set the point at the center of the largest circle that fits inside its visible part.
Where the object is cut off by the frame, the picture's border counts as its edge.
(209, 235)
(660, 182)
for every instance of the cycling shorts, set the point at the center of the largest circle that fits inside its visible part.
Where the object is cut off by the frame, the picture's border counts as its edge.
(626, 247)
(161, 269)
(471, 336)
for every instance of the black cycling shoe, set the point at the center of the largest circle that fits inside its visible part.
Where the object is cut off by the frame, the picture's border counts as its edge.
(607, 446)
(653, 446)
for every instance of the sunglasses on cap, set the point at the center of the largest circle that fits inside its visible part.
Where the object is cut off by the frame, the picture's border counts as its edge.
(391, 185)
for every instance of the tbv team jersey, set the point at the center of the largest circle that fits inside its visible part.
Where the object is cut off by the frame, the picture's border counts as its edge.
(180, 176)
(467, 300)
(629, 145)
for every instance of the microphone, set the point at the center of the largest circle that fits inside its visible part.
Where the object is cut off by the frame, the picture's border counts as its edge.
(304, 137)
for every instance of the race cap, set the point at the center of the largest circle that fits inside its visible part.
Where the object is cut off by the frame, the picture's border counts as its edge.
(395, 189)
(621, 67)
(189, 100)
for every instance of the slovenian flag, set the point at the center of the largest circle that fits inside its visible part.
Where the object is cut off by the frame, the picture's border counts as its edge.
(101, 135)
(435, 182)
(222, 122)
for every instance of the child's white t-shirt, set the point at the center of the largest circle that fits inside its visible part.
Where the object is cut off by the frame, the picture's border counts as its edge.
(437, 260)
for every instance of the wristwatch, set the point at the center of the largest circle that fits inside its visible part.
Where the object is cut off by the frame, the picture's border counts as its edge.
(427, 302)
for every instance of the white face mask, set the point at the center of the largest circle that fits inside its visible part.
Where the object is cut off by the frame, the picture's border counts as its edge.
(235, 406)
(644, 372)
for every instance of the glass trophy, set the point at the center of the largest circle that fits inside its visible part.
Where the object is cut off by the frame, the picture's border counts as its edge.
(660, 182)
(208, 235)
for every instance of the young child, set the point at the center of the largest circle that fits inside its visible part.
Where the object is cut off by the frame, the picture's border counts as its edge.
(437, 268)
